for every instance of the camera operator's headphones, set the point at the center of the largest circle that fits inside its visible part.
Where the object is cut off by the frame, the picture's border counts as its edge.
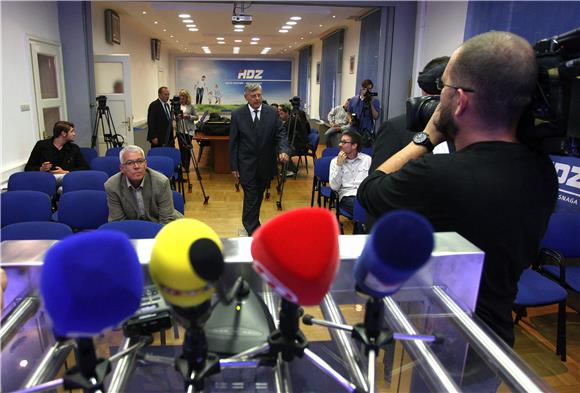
(427, 80)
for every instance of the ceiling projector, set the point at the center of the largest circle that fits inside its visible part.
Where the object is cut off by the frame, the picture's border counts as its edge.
(242, 19)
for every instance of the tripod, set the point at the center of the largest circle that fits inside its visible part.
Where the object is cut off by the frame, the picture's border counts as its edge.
(282, 177)
(112, 139)
(181, 133)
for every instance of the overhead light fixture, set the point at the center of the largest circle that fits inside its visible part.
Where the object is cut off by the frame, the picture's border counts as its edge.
(190, 25)
(295, 18)
(255, 39)
(254, 43)
(170, 35)
(319, 25)
(155, 22)
(219, 38)
(184, 16)
(301, 38)
(265, 50)
(236, 50)
(290, 22)
(193, 29)
(187, 20)
(221, 42)
(144, 12)
(282, 31)
(237, 40)
(239, 30)
(333, 16)
(287, 27)
(239, 26)
(164, 29)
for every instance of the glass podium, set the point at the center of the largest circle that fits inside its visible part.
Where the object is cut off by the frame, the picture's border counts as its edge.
(438, 300)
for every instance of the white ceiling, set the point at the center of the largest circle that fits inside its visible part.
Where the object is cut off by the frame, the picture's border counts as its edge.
(213, 19)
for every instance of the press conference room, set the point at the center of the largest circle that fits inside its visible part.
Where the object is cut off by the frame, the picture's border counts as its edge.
(290, 196)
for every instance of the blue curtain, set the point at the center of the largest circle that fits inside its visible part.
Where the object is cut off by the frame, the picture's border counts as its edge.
(304, 61)
(531, 20)
(330, 69)
(368, 50)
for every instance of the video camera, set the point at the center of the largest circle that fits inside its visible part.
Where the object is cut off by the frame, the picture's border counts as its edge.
(175, 106)
(102, 102)
(295, 102)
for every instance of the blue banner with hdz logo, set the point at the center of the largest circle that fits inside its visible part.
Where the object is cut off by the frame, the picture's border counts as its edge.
(568, 171)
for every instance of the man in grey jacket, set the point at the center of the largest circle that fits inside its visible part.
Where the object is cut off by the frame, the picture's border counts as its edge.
(139, 193)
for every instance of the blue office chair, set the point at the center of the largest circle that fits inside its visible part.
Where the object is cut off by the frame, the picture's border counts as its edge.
(330, 152)
(320, 181)
(110, 165)
(113, 152)
(33, 181)
(135, 229)
(35, 230)
(178, 202)
(313, 139)
(22, 206)
(89, 153)
(368, 151)
(84, 180)
(84, 209)
(359, 218)
(175, 155)
(161, 164)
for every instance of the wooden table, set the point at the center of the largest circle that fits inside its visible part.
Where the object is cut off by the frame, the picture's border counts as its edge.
(220, 148)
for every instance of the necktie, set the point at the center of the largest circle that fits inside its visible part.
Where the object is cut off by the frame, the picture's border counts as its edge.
(167, 112)
(256, 119)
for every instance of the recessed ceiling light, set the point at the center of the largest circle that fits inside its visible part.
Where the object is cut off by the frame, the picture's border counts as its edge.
(289, 46)
(177, 41)
(219, 38)
(254, 43)
(170, 35)
(164, 29)
(237, 40)
(309, 32)
(295, 18)
(239, 26)
(319, 25)
(187, 21)
(255, 39)
(221, 42)
(287, 27)
(155, 22)
(144, 12)
(282, 31)
(238, 30)
(333, 16)
(301, 38)
(290, 22)
(190, 25)
(184, 16)
(193, 29)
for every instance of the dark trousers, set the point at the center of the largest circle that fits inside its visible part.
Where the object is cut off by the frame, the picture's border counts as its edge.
(253, 194)
(347, 203)
(198, 95)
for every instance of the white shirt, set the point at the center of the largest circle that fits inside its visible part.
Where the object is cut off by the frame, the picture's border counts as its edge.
(259, 114)
(346, 178)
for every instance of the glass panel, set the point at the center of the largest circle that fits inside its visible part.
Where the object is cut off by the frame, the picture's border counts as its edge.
(51, 116)
(47, 74)
(109, 78)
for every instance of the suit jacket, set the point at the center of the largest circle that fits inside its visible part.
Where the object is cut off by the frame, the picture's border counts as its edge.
(254, 148)
(157, 199)
(158, 125)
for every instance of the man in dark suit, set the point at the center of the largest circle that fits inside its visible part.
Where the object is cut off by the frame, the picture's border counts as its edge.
(257, 139)
(159, 120)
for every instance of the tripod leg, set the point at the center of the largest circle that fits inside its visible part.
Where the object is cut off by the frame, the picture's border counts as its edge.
(282, 182)
(196, 168)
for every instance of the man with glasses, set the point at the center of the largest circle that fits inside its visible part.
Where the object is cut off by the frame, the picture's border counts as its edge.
(348, 169)
(494, 191)
(139, 193)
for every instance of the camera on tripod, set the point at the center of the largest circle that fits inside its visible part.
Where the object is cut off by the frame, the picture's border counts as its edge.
(176, 106)
(295, 102)
(102, 102)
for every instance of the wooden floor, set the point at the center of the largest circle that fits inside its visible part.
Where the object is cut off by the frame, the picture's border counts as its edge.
(534, 344)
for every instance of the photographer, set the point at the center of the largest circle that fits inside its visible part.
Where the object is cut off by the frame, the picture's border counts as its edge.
(366, 109)
(494, 191)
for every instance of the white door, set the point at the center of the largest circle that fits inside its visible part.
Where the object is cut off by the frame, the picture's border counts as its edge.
(113, 80)
(48, 85)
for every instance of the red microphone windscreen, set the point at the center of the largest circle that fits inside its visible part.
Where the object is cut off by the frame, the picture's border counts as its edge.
(297, 254)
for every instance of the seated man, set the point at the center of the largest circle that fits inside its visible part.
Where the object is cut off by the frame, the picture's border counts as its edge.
(57, 155)
(348, 169)
(139, 193)
(339, 122)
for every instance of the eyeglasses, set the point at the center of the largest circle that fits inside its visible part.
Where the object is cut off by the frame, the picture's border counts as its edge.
(440, 85)
(139, 162)
(345, 142)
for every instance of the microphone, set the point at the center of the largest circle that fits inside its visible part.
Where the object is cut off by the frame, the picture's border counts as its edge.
(90, 282)
(297, 254)
(400, 243)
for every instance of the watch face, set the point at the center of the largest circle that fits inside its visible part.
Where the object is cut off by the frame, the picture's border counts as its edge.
(420, 137)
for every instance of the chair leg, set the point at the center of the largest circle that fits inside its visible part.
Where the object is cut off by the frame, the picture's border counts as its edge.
(520, 312)
(561, 337)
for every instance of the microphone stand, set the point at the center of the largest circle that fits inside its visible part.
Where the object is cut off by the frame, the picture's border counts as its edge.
(371, 333)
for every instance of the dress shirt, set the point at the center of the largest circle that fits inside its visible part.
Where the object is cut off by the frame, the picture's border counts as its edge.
(346, 178)
(254, 114)
(138, 194)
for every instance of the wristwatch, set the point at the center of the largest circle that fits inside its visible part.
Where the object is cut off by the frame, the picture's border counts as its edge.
(422, 139)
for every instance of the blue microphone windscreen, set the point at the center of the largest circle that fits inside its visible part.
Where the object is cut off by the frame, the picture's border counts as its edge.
(400, 243)
(90, 282)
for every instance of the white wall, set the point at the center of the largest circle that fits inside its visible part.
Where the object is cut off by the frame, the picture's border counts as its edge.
(350, 48)
(21, 20)
(315, 87)
(137, 44)
(440, 27)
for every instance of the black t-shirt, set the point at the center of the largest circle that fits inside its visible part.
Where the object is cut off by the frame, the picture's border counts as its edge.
(498, 195)
(69, 157)
(391, 137)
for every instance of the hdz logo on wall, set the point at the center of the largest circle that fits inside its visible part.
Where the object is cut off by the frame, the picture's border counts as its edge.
(568, 171)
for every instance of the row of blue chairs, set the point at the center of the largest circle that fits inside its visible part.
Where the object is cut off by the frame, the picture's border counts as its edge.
(49, 230)
(81, 210)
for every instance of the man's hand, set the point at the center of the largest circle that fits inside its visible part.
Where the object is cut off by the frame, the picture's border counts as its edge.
(283, 157)
(236, 175)
(435, 136)
(340, 158)
(45, 167)
(154, 141)
(58, 171)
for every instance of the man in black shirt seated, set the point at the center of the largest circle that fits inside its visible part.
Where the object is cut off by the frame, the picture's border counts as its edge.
(493, 190)
(57, 155)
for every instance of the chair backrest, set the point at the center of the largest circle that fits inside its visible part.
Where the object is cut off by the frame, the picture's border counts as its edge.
(84, 180)
(368, 151)
(161, 164)
(35, 230)
(359, 213)
(166, 151)
(33, 181)
(178, 202)
(563, 234)
(22, 206)
(113, 152)
(89, 153)
(109, 165)
(84, 209)
(330, 152)
(313, 139)
(135, 229)
(322, 168)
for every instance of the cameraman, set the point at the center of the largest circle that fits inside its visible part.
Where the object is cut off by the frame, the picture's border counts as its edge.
(494, 190)
(298, 127)
(367, 109)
